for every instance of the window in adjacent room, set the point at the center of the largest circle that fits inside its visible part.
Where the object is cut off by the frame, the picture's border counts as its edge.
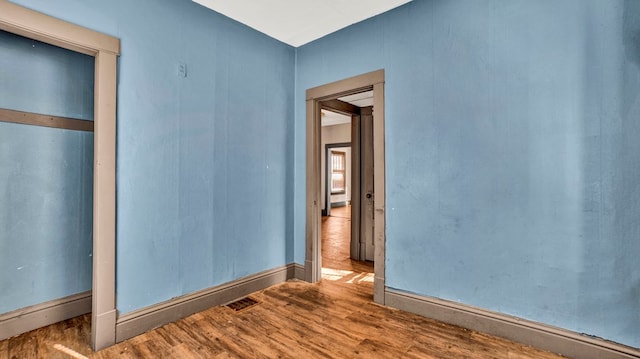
(338, 172)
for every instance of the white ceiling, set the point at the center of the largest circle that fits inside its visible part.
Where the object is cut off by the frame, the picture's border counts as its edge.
(332, 118)
(297, 22)
(362, 99)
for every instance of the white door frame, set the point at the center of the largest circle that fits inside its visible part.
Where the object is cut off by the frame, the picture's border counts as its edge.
(32, 24)
(313, 253)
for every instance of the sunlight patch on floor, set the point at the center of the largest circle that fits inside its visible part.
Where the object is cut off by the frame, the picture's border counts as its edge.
(339, 274)
(334, 274)
(360, 278)
(69, 352)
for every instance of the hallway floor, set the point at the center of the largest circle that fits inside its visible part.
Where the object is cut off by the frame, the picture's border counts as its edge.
(336, 235)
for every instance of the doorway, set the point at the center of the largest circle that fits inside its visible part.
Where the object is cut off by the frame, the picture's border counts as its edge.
(346, 228)
(317, 98)
(32, 24)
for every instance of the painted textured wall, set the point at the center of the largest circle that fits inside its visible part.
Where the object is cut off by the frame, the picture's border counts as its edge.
(203, 161)
(40, 78)
(513, 181)
(46, 175)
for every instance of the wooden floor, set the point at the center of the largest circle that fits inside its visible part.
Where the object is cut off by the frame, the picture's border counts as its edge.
(333, 319)
(336, 235)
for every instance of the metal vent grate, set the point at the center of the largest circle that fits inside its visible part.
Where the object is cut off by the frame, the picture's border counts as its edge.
(242, 304)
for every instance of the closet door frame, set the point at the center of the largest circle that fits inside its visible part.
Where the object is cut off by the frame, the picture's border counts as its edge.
(35, 25)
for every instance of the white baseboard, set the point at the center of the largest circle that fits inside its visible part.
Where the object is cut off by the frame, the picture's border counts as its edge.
(143, 320)
(40, 315)
(556, 340)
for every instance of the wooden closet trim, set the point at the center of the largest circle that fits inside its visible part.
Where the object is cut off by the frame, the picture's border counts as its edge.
(35, 25)
(36, 119)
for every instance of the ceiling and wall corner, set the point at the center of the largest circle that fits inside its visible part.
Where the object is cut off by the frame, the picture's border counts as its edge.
(297, 22)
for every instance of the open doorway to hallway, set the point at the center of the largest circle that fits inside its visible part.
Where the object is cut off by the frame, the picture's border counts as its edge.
(328, 95)
(347, 184)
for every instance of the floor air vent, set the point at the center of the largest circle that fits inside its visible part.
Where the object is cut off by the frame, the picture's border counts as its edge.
(242, 304)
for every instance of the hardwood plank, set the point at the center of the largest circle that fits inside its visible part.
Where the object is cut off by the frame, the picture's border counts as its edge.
(26, 348)
(4, 349)
(371, 348)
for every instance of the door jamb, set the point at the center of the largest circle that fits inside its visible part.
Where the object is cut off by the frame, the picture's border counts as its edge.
(313, 258)
(38, 26)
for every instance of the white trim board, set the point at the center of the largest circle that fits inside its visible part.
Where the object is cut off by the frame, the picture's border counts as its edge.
(556, 340)
(40, 315)
(143, 320)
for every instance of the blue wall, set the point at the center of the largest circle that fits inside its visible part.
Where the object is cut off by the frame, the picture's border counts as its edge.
(40, 78)
(202, 161)
(46, 175)
(512, 176)
(512, 156)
